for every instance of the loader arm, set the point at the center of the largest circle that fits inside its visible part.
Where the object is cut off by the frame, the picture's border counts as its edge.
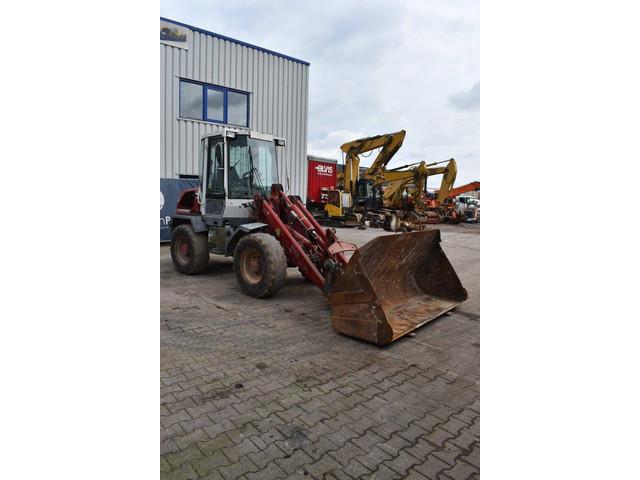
(315, 251)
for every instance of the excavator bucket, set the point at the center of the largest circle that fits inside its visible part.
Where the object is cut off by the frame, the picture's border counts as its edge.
(393, 285)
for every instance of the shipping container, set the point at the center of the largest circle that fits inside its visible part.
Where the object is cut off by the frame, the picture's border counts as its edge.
(321, 176)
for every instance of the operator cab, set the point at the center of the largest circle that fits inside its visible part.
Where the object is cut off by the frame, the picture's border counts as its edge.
(235, 166)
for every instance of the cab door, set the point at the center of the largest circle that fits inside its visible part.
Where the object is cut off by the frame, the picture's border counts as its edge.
(214, 188)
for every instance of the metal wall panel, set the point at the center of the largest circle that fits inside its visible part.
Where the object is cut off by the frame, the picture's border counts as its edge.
(278, 87)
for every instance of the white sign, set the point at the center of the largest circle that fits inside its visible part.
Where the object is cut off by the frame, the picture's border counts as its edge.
(324, 170)
(174, 35)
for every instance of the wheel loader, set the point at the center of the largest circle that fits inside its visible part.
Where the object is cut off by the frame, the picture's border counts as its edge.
(377, 293)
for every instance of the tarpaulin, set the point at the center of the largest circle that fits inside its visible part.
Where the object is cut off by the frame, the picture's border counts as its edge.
(170, 189)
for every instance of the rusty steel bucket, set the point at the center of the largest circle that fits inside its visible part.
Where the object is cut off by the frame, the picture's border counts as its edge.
(393, 285)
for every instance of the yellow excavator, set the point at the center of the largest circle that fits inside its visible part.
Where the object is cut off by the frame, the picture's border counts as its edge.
(406, 198)
(348, 203)
(391, 198)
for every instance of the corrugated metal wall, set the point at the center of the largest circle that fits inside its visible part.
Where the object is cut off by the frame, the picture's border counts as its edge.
(279, 91)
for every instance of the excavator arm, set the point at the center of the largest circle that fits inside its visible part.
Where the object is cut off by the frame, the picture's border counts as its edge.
(388, 143)
(396, 181)
(469, 187)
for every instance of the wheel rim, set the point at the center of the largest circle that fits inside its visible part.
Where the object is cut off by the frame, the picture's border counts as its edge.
(182, 249)
(251, 266)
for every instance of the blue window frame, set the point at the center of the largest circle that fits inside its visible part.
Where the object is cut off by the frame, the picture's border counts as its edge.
(213, 103)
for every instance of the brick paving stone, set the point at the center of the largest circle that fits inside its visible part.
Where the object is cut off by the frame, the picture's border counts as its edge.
(368, 440)
(164, 465)
(473, 457)
(414, 475)
(266, 455)
(461, 470)
(355, 469)
(317, 449)
(345, 453)
(402, 463)
(448, 454)
(394, 444)
(412, 432)
(290, 413)
(172, 432)
(337, 475)
(185, 472)
(212, 475)
(195, 424)
(386, 429)
(443, 412)
(168, 446)
(420, 449)
(438, 436)
(208, 447)
(216, 428)
(234, 452)
(295, 460)
(312, 419)
(428, 422)
(270, 472)
(363, 424)
(432, 467)
(373, 458)
(326, 464)
(209, 463)
(385, 473)
(474, 428)
(170, 420)
(175, 407)
(239, 434)
(453, 425)
(464, 440)
(342, 436)
(237, 469)
(189, 455)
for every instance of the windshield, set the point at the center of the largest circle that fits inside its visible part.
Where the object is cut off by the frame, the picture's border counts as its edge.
(252, 166)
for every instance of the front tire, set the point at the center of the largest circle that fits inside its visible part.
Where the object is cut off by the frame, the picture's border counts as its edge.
(189, 250)
(260, 265)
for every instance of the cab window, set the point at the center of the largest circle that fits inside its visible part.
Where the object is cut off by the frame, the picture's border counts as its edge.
(216, 167)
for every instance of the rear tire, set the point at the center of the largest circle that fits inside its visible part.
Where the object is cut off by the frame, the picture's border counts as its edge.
(260, 265)
(189, 250)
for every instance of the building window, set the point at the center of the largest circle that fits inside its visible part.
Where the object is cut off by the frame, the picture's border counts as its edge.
(237, 109)
(211, 103)
(215, 105)
(190, 100)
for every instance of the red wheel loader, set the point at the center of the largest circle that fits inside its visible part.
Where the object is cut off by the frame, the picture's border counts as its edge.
(377, 293)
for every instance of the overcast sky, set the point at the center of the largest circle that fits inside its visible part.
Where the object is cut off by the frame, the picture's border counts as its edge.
(376, 67)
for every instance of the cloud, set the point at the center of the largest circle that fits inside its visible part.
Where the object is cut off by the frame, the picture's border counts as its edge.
(376, 67)
(469, 100)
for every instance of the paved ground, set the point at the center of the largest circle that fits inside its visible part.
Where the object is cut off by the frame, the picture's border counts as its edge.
(260, 389)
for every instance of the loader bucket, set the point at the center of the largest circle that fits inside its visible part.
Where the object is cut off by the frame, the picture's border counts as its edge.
(393, 285)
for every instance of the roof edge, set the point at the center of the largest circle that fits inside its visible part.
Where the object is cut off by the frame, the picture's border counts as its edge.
(239, 42)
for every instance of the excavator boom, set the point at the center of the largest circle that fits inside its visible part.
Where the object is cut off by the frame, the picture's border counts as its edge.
(388, 143)
(469, 187)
